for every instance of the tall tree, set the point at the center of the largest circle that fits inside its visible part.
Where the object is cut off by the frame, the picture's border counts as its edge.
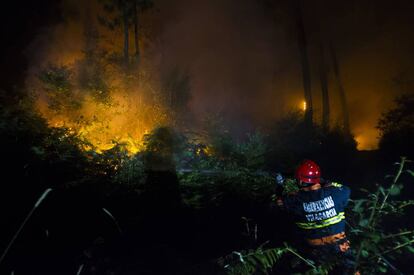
(177, 95)
(324, 89)
(126, 13)
(302, 43)
(136, 31)
(120, 11)
(138, 6)
(342, 95)
(125, 19)
(91, 71)
(396, 127)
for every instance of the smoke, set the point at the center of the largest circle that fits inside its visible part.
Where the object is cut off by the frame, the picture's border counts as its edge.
(374, 45)
(110, 106)
(234, 53)
(243, 61)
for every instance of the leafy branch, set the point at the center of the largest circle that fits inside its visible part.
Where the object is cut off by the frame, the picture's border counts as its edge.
(369, 231)
(258, 261)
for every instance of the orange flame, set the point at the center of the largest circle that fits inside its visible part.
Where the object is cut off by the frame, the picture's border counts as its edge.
(122, 120)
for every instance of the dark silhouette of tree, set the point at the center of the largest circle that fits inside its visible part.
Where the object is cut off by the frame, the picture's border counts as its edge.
(124, 7)
(304, 59)
(324, 89)
(58, 88)
(118, 15)
(138, 7)
(91, 68)
(136, 31)
(124, 13)
(396, 128)
(342, 94)
(177, 94)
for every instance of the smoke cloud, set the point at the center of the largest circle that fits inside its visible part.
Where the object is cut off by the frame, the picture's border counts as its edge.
(243, 60)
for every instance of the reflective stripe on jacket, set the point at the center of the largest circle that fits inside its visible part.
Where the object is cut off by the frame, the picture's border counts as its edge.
(319, 213)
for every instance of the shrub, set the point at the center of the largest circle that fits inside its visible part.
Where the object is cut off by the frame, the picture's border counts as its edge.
(397, 128)
(374, 240)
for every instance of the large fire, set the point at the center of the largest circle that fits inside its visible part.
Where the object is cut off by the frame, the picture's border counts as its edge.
(83, 56)
(132, 109)
(125, 119)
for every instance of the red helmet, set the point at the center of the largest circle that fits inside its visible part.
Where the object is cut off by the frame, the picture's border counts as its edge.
(308, 172)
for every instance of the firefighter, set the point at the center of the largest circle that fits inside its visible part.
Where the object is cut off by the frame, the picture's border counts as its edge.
(318, 209)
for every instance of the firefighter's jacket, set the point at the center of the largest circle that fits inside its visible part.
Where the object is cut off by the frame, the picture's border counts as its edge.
(319, 213)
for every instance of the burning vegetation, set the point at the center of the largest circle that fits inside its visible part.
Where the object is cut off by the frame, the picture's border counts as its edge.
(154, 132)
(105, 77)
(102, 118)
(101, 92)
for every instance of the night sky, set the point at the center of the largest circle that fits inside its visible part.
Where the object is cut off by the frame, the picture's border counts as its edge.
(242, 56)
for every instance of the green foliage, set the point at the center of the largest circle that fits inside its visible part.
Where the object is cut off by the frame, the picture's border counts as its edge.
(252, 152)
(57, 83)
(372, 239)
(91, 76)
(109, 161)
(263, 261)
(206, 179)
(290, 186)
(220, 143)
(291, 136)
(224, 170)
(207, 188)
(131, 173)
(291, 139)
(32, 148)
(219, 150)
(162, 146)
(397, 128)
(399, 118)
(62, 149)
(258, 261)
(212, 173)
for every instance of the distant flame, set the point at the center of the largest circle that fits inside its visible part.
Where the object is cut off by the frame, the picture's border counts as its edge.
(304, 106)
(367, 139)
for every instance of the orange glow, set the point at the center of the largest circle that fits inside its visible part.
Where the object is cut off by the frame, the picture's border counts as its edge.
(124, 120)
(367, 140)
(304, 106)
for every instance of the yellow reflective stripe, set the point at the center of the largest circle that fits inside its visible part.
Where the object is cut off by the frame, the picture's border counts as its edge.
(335, 184)
(323, 223)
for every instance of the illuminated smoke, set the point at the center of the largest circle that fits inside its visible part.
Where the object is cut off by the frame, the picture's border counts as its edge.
(127, 109)
(243, 61)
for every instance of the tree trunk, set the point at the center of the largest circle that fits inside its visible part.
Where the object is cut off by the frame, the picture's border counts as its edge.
(304, 63)
(342, 95)
(136, 34)
(126, 32)
(324, 89)
(91, 36)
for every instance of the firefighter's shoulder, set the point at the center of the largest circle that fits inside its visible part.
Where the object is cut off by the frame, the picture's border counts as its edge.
(332, 184)
(336, 185)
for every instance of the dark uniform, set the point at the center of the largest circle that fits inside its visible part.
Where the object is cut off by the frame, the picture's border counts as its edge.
(319, 214)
